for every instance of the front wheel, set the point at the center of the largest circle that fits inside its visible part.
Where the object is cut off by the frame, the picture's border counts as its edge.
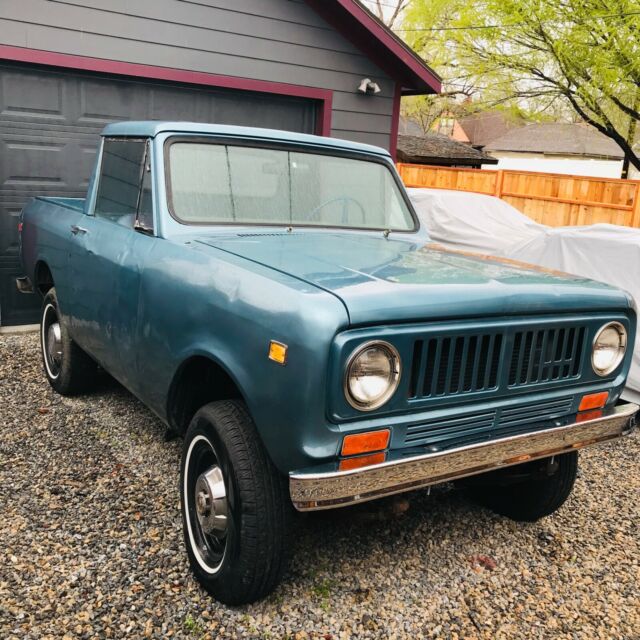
(235, 507)
(526, 492)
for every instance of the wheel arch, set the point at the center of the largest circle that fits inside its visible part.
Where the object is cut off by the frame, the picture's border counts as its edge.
(42, 278)
(199, 379)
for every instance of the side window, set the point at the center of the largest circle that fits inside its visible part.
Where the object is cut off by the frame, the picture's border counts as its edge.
(124, 186)
(144, 220)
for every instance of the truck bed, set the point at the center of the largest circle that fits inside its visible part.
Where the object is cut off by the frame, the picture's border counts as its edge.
(70, 203)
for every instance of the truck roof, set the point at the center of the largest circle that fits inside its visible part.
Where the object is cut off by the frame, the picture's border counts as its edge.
(151, 128)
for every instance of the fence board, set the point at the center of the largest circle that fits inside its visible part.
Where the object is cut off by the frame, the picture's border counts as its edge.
(548, 198)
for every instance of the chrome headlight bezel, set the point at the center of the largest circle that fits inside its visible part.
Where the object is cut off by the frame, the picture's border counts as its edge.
(620, 351)
(396, 368)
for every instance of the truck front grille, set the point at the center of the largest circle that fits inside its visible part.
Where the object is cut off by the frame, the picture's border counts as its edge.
(455, 365)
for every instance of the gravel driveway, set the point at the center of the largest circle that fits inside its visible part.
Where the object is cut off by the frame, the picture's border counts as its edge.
(92, 546)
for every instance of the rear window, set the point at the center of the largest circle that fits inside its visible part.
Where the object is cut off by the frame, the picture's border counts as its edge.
(120, 177)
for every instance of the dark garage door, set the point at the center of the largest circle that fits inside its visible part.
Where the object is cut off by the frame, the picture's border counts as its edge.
(49, 126)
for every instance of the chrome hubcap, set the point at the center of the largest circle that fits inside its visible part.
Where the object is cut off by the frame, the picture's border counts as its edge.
(51, 341)
(54, 344)
(211, 502)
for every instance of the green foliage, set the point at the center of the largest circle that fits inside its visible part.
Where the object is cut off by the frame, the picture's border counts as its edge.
(323, 589)
(193, 626)
(544, 56)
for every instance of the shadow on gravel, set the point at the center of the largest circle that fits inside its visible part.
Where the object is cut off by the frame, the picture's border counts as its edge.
(105, 384)
(390, 525)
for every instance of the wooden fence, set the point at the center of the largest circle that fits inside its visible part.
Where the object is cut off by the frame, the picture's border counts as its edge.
(550, 198)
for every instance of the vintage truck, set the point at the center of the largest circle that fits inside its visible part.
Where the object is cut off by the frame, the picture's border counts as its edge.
(272, 298)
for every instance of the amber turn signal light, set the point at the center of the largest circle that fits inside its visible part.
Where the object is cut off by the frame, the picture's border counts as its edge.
(593, 401)
(365, 442)
(278, 352)
(589, 415)
(361, 461)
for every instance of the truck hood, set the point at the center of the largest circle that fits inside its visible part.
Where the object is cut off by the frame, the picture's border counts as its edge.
(392, 280)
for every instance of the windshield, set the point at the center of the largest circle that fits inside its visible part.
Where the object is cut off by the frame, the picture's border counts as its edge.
(210, 183)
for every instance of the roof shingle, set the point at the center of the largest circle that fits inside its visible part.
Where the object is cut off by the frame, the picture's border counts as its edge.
(435, 148)
(557, 139)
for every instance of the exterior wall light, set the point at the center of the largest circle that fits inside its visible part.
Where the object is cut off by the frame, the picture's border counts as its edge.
(369, 86)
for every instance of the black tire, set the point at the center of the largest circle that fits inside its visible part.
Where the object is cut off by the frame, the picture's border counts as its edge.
(68, 368)
(540, 488)
(240, 559)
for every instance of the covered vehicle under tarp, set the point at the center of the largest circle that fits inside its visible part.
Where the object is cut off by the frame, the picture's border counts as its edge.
(485, 224)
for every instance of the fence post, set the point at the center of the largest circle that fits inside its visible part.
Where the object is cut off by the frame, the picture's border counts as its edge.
(635, 213)
(499, 180)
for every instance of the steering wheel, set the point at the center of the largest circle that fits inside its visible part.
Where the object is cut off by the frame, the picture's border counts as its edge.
(313, 215)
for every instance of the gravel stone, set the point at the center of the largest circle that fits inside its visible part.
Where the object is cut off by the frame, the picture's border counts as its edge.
(91, 542)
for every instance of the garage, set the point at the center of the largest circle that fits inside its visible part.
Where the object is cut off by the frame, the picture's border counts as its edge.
(49, 126)
(69, 68)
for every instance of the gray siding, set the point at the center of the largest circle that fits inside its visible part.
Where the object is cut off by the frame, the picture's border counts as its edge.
(272, 40)
(50, 121)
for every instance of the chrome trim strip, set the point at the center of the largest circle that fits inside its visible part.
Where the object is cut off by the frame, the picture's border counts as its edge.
(314, 491)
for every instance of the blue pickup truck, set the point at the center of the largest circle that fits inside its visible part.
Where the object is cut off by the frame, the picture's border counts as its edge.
(272, 298)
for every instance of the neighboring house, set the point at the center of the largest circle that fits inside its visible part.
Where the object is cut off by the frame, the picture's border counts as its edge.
(482, 128)
(68, 68)
(476, 130)
(409, 127)
(448, 125)
(576, 149)
(437, 149)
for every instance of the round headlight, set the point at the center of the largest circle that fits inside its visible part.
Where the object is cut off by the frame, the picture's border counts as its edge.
(372, 375)
(609, 346)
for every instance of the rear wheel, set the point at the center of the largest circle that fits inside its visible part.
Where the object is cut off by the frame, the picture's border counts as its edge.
(67, 367)
(235, 506)
(526, 492)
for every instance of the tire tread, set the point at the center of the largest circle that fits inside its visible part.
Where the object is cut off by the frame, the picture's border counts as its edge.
(533, 499)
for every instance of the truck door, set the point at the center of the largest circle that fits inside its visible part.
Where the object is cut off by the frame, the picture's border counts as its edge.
(109, 251)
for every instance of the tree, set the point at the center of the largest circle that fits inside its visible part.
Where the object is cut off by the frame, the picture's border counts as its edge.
(583, 54)
(388, 11)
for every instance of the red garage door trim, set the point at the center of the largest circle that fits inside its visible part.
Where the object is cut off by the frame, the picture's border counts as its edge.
(63, 60)
(395, 121)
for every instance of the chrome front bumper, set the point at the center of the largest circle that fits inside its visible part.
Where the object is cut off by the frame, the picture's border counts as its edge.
(311, 491)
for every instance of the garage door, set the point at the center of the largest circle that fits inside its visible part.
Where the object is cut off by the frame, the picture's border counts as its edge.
(49, 126)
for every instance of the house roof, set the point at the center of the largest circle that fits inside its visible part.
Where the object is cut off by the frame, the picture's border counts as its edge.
(558, 139)
(486, 126)
(434, 148)
(409, 127)
(356, 23)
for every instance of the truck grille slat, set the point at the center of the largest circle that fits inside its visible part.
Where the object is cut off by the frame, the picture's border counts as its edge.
(445, 432)
(445, 366)
(545, 355)
(450, 429)
(543, 411)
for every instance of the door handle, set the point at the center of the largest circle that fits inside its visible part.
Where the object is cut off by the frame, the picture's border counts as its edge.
(75, 229)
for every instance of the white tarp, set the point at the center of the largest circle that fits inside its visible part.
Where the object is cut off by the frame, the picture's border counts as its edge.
(484, 224)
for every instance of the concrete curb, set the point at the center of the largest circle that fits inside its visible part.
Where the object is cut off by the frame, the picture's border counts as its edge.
(21, 328)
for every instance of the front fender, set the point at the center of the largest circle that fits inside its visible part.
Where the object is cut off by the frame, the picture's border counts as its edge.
(229, 310)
